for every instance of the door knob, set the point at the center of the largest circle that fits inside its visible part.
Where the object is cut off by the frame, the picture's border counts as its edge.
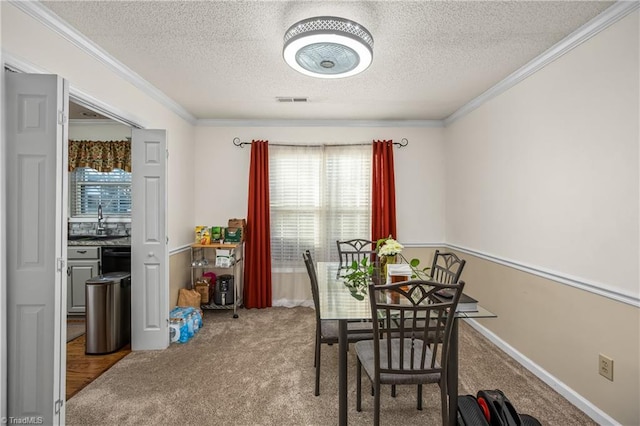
(151, 254)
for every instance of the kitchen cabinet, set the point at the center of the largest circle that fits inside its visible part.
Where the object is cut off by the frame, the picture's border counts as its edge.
(83, 263)
(203, 259)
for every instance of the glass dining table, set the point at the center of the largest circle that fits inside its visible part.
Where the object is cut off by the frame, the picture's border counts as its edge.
(337, 303)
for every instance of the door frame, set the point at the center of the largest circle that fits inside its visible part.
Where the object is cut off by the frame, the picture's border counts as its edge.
(13, 63)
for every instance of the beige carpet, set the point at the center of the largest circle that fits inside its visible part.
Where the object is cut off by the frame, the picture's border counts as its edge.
(258, 370)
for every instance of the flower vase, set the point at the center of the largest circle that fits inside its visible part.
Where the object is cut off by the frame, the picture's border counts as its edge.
(384, 261)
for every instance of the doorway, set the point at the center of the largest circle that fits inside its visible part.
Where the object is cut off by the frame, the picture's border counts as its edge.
(34, 169)
(100, 209)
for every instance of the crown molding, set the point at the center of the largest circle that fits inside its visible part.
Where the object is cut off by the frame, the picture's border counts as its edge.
(58, 25)
(94, 121)
(610, 16)
(76, 95)
(317, 123)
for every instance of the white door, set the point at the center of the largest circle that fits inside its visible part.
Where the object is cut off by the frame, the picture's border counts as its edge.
(149, 254)
(36, 205)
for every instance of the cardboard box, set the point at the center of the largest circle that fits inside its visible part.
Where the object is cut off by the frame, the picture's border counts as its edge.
(233, 235)
(203, 235)
(216, 233)
(237, 223)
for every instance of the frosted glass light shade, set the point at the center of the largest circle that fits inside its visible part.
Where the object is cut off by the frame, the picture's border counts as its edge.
(328, 47)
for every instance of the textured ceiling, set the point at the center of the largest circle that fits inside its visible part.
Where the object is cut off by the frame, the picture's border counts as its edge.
(223, 59)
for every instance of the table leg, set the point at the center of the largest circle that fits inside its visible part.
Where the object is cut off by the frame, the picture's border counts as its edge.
(342, 372)
(452, 374)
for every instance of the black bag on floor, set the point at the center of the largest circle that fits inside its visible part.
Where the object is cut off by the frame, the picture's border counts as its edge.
(501, 411)
(490, 408)
(469, 412)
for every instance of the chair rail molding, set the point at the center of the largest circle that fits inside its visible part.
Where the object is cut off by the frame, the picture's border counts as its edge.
(590, 286)
(179, 249)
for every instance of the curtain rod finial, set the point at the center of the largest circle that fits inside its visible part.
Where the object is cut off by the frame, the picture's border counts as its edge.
(237, 142)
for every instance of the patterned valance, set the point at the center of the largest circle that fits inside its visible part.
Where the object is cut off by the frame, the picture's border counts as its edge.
(104, 156)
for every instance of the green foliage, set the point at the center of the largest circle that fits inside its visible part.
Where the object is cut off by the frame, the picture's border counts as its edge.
(416, 272)
(358, 276)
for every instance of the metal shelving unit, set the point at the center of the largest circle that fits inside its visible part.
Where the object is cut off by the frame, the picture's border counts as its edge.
(236, 269)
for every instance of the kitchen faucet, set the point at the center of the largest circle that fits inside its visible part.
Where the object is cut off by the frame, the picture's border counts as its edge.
(100, 230)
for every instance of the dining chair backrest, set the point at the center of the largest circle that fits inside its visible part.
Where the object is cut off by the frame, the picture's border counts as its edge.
(313, 279)
(356, 249)
(446, 267)
(404, 343)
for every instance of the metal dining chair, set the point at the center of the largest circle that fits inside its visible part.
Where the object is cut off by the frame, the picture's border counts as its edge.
(446, 267)
(327, 330)
(405, 348)
(355, 250)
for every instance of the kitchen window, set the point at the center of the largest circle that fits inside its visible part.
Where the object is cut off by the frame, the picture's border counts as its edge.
(89, 188)
(318, 195)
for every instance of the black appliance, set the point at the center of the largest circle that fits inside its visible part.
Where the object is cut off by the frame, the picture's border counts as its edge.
(116, 259)
(223, 294)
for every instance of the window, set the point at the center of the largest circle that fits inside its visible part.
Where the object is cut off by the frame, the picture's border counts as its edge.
(88, 188)
(318, 195)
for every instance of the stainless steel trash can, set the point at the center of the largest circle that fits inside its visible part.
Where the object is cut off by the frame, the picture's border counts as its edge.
(108, 312)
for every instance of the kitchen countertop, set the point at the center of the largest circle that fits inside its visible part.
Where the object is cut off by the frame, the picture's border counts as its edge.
(123, 241)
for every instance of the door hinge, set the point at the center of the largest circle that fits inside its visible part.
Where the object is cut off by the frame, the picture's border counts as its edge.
(62, 117)
(61, 264)
(58, 405)
(167, 151)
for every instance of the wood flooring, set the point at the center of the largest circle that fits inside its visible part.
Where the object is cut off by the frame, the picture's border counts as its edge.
(83, 369)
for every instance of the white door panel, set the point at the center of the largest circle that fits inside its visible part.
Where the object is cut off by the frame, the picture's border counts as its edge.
(36, 210)
(149, 254)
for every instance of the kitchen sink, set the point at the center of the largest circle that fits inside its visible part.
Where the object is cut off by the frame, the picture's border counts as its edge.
(94, 237)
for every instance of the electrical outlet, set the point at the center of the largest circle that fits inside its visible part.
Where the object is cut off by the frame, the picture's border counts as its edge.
(605, 366)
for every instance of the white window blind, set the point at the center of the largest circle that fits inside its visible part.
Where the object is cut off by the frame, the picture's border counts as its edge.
(88, 188)
(318, 195)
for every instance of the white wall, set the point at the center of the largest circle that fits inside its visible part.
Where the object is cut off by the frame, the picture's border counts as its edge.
(93, 131)
(547, 173)
(26, 39)
(546, 177)
(222, 172)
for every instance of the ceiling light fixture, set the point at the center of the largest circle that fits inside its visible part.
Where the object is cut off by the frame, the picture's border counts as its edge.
(328, 47)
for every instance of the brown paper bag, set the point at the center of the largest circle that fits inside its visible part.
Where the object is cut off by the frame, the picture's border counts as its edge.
(188, 297)
(202, 287)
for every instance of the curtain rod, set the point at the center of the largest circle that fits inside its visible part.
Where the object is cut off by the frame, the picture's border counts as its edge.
(236, 141)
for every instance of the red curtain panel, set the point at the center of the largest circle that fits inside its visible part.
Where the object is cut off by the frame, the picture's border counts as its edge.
(383, 195)
(257, 267)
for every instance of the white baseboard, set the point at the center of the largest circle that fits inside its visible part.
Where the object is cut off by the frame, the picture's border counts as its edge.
(572, 396)
(292, 303)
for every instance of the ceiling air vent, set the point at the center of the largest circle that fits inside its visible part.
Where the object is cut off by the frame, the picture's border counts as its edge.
(291, 99)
